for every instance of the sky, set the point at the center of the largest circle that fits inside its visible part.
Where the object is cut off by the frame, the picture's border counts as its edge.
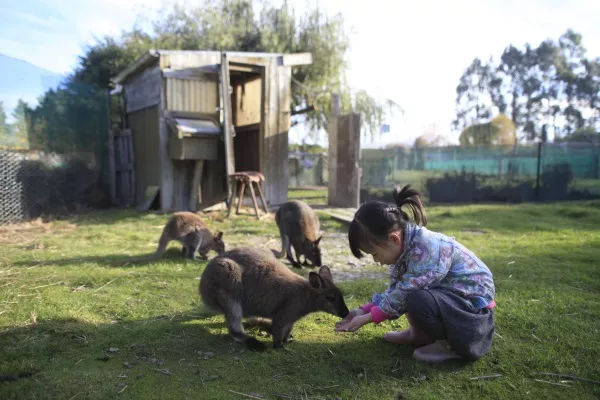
(412, 52)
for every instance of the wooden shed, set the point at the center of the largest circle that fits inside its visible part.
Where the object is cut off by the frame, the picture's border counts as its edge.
(193, 117)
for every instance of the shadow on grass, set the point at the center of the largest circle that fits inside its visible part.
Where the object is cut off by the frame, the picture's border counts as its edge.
(170, 257)
(156, 357)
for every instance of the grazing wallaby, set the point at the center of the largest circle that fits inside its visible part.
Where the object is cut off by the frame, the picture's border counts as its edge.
(298, 227)
(189, 229)
(253, 283)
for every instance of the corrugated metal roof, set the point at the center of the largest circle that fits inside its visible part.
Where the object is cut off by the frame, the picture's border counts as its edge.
(194, 127)
(192, 96)
(148, 58)
(153, 55)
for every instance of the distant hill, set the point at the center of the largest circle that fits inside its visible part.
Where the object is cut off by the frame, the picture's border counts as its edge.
(20, 79)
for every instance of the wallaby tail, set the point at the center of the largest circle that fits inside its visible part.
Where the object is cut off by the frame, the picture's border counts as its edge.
(162, 246)
(284, 238)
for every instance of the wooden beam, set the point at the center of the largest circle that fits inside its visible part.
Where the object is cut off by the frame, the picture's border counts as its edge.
(303, 110)
(207, 73)
(227, 115)
(291, 60)
(196, 190)
(111, 155)
(166, 165)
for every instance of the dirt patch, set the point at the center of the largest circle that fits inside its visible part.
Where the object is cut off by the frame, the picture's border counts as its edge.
(27, 233)
(335, 254)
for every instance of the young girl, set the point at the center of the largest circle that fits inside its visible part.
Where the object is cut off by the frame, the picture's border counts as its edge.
(446, 292)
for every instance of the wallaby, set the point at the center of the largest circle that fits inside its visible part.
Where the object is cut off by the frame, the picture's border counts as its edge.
(189, 229)
(298, 227)
(249, 282)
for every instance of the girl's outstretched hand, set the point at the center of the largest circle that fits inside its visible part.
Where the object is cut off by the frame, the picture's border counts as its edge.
(354, 324)
(349, 317)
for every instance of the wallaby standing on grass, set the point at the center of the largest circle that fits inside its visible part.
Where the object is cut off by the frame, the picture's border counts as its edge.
(252, 283)
(189, 229)
(298, 227)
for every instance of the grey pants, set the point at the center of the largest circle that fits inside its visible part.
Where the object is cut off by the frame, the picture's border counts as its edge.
(445, 315)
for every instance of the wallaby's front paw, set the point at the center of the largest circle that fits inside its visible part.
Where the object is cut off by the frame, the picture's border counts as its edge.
(277, 344)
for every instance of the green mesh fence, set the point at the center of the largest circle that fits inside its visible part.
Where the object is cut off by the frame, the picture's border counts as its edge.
(579, 162)
(307, 169)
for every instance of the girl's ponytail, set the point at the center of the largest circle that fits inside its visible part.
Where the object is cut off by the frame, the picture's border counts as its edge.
(411, 198)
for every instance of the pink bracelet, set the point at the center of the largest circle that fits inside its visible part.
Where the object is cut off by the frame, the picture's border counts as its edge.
(367, 307)
(377, 315)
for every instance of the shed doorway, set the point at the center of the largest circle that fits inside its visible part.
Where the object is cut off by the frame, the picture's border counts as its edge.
(247, 83)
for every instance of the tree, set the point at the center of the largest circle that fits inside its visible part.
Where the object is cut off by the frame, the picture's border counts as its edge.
(499, 131)
(552, 84)
(431, 137)
(588, 135)
(473, 100)
(234, 25)
(4, 132)
(19, 126)
(73, 117)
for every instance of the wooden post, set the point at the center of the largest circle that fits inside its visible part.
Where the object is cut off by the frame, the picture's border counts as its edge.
(332, 149)
(335, 104)
(131, 165)
(262, 197)
(241, 196)
(231, 183)
(196, 189)
(111, 153)
(254, 199)
(227, 118)
(539, 163)
(166, 165)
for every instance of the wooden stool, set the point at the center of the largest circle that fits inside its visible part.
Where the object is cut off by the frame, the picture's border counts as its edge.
(240, 180)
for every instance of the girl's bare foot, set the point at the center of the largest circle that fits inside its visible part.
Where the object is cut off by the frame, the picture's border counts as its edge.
(435, 352)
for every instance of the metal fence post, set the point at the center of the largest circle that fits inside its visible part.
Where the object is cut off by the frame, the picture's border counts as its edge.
(537, 175)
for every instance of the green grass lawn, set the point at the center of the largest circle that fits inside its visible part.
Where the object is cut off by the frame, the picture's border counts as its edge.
(82, 318)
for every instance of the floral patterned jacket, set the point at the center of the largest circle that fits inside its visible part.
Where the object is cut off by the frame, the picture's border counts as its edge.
(433, 260)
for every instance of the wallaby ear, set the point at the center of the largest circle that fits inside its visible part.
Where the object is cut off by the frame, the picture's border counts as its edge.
(219, 235)
(315, 280)
(316, 242)
(325, 273)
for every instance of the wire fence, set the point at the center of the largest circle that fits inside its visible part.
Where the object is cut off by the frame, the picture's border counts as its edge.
(548, 171)
(307, 169)
(35, 184)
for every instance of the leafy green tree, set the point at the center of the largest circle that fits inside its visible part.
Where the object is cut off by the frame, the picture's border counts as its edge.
(425, 141)
(19, 126)
(550, 85)
(4, 128)
(588, 135)
(73, 117)
(473, 102)
(234, 25)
